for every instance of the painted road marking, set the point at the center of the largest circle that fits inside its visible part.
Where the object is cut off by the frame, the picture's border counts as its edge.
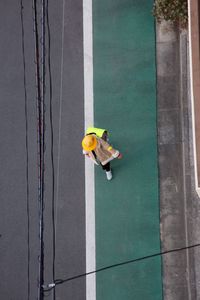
(192, 103)
(89, 168)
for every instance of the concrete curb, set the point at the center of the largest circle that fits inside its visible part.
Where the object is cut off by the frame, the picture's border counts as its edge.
(175, 163)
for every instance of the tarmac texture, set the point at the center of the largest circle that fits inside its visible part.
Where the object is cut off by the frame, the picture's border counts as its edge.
(19, 216)
(127, 208)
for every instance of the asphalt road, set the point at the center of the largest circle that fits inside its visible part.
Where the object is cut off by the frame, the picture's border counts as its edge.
(19, 216)
(66, 64)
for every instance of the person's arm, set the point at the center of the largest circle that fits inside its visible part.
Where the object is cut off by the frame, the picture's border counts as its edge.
(115, 153)
(89, 155)
(86, 153)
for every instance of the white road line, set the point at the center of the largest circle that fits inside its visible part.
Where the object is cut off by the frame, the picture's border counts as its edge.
(89, 167)
(192, 101)
(182, 65)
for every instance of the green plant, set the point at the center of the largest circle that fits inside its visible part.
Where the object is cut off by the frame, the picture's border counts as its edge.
(175, 11)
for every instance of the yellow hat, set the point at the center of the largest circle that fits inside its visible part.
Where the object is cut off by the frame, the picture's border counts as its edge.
(89, 142)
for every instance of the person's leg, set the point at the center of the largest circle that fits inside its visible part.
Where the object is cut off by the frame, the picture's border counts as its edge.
(106, 167)
(108, 171)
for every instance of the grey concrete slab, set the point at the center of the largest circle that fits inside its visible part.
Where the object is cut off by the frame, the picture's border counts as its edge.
(169, 88)
(169, 124)
(178, 203)
(167, 53)
(172, 173)
(177, 287)
(166, 32)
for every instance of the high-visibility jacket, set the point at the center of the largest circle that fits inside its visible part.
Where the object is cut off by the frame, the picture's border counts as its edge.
(98, 131)
(103, 153)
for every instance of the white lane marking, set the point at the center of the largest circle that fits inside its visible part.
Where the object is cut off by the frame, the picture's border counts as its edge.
(192, 102)
(89, 167)
(182, 65)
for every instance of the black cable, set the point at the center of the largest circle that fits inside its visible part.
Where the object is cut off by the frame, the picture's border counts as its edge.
(27, 155)
(61, 281)
(43, 90)
(40, 141)
(52, 149)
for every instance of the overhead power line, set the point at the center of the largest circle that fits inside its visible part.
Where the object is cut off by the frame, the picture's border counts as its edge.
(40, 103)
(27, 154)
(52, 148)
(51, 286)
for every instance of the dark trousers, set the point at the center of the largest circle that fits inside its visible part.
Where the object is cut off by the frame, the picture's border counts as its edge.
(106, 167)
(105, 138)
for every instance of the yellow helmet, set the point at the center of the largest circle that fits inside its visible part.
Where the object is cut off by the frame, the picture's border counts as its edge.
(89, 142)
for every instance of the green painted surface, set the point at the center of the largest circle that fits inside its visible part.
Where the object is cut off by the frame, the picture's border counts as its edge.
(127, 208)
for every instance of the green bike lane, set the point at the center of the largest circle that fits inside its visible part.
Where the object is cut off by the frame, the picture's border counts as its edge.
(127, 208)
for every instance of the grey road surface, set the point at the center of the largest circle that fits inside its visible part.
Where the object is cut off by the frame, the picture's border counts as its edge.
(66, 73)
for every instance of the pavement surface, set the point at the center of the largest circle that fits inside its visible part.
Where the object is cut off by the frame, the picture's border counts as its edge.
(172, 149)
(179, 203)
(127, 208)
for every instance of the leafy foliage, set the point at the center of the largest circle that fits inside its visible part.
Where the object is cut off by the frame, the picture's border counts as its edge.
(175, 11)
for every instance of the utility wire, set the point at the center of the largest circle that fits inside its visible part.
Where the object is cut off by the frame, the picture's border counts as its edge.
(52, 148)
(41, 92)
(40, 142)
(61, 281)
(43, 89)
(27, 154)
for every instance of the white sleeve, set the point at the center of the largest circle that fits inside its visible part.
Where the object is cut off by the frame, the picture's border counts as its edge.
(116, 154)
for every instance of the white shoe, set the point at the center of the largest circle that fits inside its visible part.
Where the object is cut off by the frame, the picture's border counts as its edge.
(109, 175)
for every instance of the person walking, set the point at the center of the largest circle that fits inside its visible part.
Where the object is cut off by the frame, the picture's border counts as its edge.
(96, 147)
